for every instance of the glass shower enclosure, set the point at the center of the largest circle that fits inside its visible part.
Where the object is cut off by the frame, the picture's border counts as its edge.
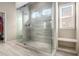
(38, 26)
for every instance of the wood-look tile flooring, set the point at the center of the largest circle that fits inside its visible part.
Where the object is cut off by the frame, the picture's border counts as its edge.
(62, 53)
(11, 48)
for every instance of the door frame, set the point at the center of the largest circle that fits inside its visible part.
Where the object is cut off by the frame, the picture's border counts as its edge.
(4, 26)
(55, 39)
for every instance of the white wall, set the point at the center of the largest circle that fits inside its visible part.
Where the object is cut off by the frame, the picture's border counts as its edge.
(10, 26)
(77, 25)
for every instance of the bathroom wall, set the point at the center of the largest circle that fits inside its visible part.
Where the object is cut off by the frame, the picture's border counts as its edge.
(10, 22)
(77, 25)
(67, 32)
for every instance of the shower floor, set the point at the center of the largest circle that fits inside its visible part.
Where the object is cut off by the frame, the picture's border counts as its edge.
(41, 47)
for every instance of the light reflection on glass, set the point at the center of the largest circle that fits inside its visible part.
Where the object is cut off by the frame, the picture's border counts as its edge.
(26, 18)
(44, 25)
(36, 14)
(46, 12)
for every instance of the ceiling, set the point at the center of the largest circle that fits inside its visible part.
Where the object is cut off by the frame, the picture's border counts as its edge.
(20, 4)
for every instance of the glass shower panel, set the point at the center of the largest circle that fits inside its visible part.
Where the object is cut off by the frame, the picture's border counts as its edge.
(41, 30)
(26, 24)
(19, 25)
(38, 27)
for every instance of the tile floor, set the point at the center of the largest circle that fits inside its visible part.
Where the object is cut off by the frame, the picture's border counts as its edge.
(13, 48)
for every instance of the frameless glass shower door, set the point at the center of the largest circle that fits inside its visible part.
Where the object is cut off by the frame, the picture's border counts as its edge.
(41, 30)
(39, 27)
